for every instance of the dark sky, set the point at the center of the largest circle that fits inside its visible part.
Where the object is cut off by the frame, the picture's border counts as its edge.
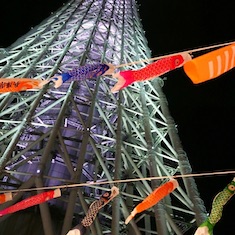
(18, 16)
(203, 113)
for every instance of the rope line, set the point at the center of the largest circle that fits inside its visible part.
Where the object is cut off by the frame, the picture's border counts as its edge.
(131, 180)
(188, 51)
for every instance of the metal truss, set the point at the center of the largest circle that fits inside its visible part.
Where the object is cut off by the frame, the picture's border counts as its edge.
(81, 132)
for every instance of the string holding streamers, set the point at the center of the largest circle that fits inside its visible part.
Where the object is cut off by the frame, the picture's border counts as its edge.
(130, 180)
(153, 198)
(211, 65)
(155, 69)
(93, 210)
(89, 71)
(206, 228)
(19, 84)
(31, 201)
(186, 51)
(81, 73)
(5, 197)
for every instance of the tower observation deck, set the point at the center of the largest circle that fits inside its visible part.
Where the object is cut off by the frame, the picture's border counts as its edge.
(83, 133)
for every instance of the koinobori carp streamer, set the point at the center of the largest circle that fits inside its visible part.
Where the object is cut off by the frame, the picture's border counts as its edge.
(155, 69)
(153, 198)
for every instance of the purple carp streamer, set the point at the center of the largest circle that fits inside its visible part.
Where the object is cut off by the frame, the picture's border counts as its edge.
(81, 73)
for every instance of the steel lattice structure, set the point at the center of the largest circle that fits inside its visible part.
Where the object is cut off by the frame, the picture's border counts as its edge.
(81, 132)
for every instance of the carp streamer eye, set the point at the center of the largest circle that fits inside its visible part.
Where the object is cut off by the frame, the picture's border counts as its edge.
(231, 187)
(106, 195)
(177, 62)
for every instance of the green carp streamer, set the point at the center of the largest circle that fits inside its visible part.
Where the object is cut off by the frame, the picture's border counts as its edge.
(206, 228)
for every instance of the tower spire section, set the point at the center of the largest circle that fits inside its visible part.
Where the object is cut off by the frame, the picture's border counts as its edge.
(81, 132)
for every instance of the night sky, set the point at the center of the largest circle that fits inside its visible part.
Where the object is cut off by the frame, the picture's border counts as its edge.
(203, 113)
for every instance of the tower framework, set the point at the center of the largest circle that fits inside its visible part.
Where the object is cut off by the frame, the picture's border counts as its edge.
(82, 133)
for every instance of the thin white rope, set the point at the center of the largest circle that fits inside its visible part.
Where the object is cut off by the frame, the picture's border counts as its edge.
(92, 183)
(187, 51)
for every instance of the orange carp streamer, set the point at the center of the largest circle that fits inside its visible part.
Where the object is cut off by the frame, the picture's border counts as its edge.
(5, 197)
(19, 84)
(153, 198)
(31, 201)
(158, 68)
(210, 65)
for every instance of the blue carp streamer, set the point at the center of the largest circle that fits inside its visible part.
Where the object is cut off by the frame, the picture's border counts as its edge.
(81, 73)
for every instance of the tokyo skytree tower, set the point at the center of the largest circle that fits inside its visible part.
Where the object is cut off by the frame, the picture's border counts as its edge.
(84, 139)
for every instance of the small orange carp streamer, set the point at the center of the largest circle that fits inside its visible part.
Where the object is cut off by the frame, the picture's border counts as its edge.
(158, 68)
(31, 201)
(153, 198)
(5, 197)
(211, 65)
(19, 84)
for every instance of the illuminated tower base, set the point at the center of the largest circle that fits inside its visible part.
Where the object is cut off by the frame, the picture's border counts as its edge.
(81, 132)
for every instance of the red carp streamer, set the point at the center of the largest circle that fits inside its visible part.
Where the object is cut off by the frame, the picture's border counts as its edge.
(19, 84)
(5, 197)
(211, 65)
(158, 68)
(32, 201)
(153, 198)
